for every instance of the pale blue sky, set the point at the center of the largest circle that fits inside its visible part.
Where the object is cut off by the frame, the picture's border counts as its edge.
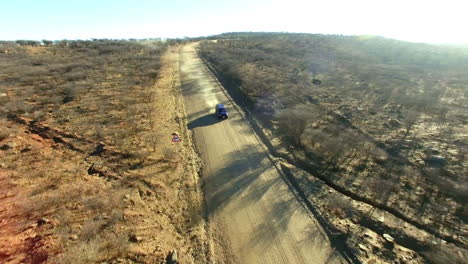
(433, 21)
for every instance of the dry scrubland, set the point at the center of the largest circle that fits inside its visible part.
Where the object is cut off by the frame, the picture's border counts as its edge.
(376, 128)
(88, 173)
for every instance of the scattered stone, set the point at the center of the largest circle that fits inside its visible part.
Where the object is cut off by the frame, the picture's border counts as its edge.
(394, 123)
(135, 239)
(348, 115)
(26, 149)
(42, 221)
(73, 237)
(451, 174)
(316, 81)
(389, 242)
(403, 259)
(426, 221)
(157, 248)
(437, 161)
(99, 149)
(5, 147)
(434, 151)
(382, 218)
(3, 94)
(172, 257)
(362, 247)
(388, 238)
(379, 159)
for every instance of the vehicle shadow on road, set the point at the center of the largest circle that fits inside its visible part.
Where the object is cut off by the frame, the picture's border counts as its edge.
(206, 120)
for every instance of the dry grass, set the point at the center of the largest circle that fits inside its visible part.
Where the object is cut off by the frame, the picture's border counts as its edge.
(81, 161)
(340, 206)
(383, 110)
(442, 254)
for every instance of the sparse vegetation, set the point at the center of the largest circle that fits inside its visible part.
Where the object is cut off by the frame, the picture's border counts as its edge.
(384, 124)
(80, 153)
(440, 254)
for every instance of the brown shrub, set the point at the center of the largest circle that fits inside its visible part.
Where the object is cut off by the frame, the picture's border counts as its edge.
(339, 205)
(80, 253)
(4, 133)
(75, 76)
(294, 121)
(169, 154)
(115, 245)
(444, 254)
(91, 229)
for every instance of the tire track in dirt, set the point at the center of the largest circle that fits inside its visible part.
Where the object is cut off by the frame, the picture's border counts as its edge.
(248, 201)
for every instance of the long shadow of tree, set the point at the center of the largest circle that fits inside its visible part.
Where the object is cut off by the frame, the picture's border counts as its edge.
(243, 183)
(235, 178)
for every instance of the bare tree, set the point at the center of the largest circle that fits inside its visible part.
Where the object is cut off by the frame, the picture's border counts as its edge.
(294, 121)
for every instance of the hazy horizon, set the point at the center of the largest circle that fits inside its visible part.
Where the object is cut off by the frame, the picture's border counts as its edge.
(436, 22)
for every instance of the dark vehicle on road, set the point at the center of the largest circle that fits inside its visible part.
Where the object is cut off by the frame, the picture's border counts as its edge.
(221, 111)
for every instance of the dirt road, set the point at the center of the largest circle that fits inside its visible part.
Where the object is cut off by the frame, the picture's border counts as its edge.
(253, 214)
